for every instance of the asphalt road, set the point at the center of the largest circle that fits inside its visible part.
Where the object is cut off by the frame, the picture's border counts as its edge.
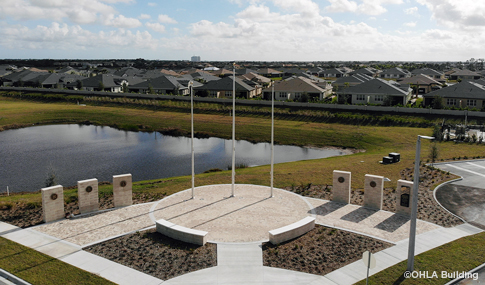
(465, 198)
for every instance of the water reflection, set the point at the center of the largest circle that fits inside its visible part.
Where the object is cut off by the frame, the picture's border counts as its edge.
(77, 152)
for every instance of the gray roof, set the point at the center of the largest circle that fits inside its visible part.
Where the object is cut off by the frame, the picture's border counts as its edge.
(395, 70)
(378, 86)
(427, 71)
(464, 89)
(367, 71)
(297, 84)
(356, 78)
(225, 84)
(465, 72)
(420, 79)
(128, 71)
(164, 82)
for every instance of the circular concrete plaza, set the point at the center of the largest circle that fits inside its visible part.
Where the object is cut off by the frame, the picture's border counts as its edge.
(246, 217)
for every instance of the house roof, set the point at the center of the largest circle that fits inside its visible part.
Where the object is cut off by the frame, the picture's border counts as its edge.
(297, 84)
(268, 71)
(378, 86)
(395, 70)
(427, 71)
(225, 84)
(201, 75)
(465, 72)
(356, 78)
(464, 89)
(451, 71)
(221, 72)
(255, 77)
(163, 82)
(420, 79)
(128, 71)
(333, 71)
(367, 71)
(108, 81)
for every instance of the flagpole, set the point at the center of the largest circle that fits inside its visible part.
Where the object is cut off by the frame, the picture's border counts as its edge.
(233, 127)
(272, 137)
(192, 134)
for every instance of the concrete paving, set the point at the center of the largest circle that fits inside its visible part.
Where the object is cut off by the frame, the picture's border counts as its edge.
(238, 263)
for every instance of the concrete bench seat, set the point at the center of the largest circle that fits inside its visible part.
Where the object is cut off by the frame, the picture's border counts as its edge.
(291, 231)
(181, 233)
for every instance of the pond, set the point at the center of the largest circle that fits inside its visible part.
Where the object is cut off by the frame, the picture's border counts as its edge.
(78, 152)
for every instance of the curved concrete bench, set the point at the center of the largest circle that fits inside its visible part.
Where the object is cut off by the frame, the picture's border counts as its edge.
(181, 233)
(292, 231)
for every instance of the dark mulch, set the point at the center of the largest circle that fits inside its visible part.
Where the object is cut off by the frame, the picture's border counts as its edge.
(320, 251)
(157, 255)
(428, 209)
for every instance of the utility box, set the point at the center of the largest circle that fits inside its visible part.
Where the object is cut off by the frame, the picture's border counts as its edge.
(387, 160)
(395, 156)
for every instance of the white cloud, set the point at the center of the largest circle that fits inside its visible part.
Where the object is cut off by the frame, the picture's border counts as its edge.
(64, 37)
(410, 24)
(151, 4)
(144, 17)
(156, 27)
(166, 19)
(367, 7)
(464, 14)
(122, 22)
(411, 11)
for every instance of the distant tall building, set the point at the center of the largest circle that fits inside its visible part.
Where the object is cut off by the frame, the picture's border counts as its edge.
(195, 58)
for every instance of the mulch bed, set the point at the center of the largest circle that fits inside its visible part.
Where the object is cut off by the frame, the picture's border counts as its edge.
(157, 255)
(320, 251)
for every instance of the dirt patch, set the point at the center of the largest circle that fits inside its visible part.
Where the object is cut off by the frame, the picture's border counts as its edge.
(320, 251)
(157, 255)
(428, 209)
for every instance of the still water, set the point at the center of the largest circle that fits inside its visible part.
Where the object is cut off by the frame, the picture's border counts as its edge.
(77, 152)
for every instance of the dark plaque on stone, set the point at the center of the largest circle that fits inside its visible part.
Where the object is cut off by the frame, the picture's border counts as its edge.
(405, 200)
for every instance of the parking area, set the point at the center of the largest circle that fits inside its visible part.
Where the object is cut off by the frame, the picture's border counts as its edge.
(465, 198)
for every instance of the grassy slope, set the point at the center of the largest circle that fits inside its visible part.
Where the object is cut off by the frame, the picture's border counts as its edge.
(37, 268)
(461, 255)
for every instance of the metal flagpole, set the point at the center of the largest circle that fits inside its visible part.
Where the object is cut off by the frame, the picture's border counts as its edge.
(233, 127)
(272, 137)
(192, 134)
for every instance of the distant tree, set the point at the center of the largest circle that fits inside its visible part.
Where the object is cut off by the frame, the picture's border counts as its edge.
(101, 86)
(437, 102)
(79, 85)
(304, 97)
(437, 133)
(51, 179)
(125, 87)
(387, 101)
(150, 89)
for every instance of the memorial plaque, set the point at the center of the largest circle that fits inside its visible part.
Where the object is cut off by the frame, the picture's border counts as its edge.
(405, 200)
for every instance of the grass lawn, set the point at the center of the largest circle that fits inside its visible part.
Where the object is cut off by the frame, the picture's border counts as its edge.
(38, 268)
(461, 255)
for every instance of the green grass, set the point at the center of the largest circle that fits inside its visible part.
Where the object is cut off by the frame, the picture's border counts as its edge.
(38, 268)
(461, 255)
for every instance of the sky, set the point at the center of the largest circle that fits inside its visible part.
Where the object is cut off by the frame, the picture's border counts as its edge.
(244, 30)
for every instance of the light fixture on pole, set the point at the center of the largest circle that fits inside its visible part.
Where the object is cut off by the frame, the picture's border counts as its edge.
(414, 209)
(233, 127)
(192, 133)
(272, 137)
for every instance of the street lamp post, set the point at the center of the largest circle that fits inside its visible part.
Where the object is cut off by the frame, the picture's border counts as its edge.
(192, 134)
(272, 137)
(233, 128)
(414, 209)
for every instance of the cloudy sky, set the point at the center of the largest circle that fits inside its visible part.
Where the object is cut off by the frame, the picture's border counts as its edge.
(267, 30)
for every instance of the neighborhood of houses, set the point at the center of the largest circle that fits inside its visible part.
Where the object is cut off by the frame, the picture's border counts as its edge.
(451, 88)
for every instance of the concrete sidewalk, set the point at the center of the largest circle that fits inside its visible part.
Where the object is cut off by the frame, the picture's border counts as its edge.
(237, 263)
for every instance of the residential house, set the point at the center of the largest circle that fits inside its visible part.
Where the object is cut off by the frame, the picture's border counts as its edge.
(222, 72)
(105, 82)
(465, 74)
(448, 73)
(243, 71)
(469, 94)
(19, 78)
(376, 91)
(164, 84)
(261, 80)
(223, 89)
(369, 71)
(394, 73)
(293, 88)
(201, 76)
(423, 83)
(292, 72)
(334, 73)
(269, 72)
(129, 71)
(437, 75)
(345, 82)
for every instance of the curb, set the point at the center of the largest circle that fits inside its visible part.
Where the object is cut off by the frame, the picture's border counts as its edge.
(12, 278)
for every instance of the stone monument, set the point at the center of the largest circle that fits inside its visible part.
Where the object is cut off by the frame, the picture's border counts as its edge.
(122, 190)
(52, 203)
(404, 196)
(341, 186)
(373, 191)
(87, 191)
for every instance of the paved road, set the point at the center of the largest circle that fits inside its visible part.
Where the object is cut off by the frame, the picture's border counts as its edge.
(465, 198)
